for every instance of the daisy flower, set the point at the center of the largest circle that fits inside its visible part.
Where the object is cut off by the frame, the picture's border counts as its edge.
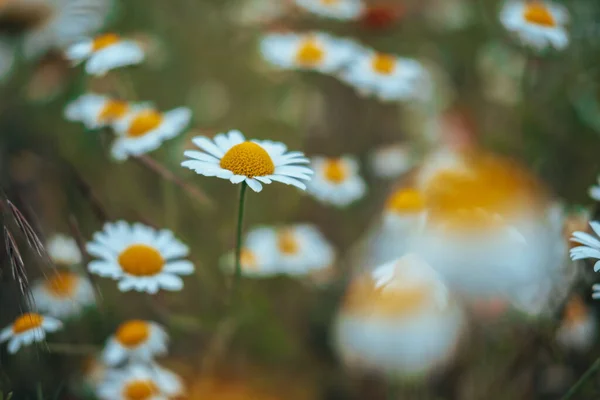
(404, 208)
(95, 110)
(337, 9)
(144, 129)
(336, 180)
(26, 329)
(537, 23)
(63, 295)
(63, 250)
(391, 161)
(387, 77)
(578, 328)
(307, 51)
(105, 52)
(258, 257)
(135, 340)
(139, 257)
(141, 382)
(595, 191)
(230, 156)
(591, 245)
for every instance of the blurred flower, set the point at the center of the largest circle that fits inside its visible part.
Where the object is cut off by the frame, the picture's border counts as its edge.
(337, 9)
(404, 209)
(258, 257)
(308, 51)
(578, 328)
(537, 23)
(95, 110)
(105, 52)
(391, 161)
(501, 69)
(28, 328)
(451, 15)
(140, 382)
(143, 129)
(63, 250)
(230, 156)
(63, 295)
(336, 180)
(399, 319)
(258, 12)
(595, 191)
(135, 340)
(140, 257)
(591, 245)
(387, 77)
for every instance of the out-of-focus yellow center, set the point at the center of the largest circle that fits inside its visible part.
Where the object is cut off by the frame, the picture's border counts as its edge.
(103, 41)
(144, 122)
(26, 322)
(248, 259)
(133, 333)
(141, 260)
(406, 200)
(62, 284)
(384, 64)
(575, 310)
(140, 390)
(335, 170)
(310, 53)
(329, 2)
(248, 159)
(287, 242)
(112, 110)
(538, 13)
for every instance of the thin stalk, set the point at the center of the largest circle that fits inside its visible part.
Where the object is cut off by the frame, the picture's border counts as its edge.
(238, 240)
(584, 378)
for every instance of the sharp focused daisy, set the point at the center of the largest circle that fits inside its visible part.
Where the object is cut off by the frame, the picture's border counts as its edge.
(591, 245)
(537, 23)
(391, 161)
(230, 156)
(63, 294)
(595, 191)
(308, 51)
(63, 250)
(144, 129)
(387, 77)
(140, 382)
(578, 328)
(96, 111)
(336, 180)
(135, 340)
(105, 52)
(337, 9)
(139, 257)
(26, 329)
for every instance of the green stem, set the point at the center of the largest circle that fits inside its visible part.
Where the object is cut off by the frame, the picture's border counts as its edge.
(584, 378)
(238, 242)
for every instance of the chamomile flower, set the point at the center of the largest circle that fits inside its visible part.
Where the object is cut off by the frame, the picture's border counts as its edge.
(140, 382)
(391, 161)
(230, 156)
(95, 110)
(135, 340)
(63, 294)
(591, 245)
(387, 77)
(537, 23)
(336, 180)
(595, 191)
(307, 51)
(144, 129)
(28, 328)
(105, 52)
(404, 209)
(258, 257)
(578, 328)
(63, 250)
(139, 257)
(337, 9)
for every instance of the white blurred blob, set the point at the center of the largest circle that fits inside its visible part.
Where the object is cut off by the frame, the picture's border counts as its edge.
(398, 319)
(579, 327)
(451, 15)
(391, 161)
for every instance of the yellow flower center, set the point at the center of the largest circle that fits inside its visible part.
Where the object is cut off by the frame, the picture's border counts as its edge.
(248, 159)
(27, 322)
(537, 13)
(287, 243)
(103, 41)
(384, 64)
(133, 333)
(62, 284)
(329, 2)
(248, 259)
(335, 171)
(144, 122)
(141, 260)
(310, 53)
(112, 110)
(404, 201)
(140, 390)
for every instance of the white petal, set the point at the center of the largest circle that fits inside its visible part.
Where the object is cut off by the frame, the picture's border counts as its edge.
(181, 267)
(205, 144)
(254, 185)
(235, 179)
(198, 155)
(113, 352)
(170, 282)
